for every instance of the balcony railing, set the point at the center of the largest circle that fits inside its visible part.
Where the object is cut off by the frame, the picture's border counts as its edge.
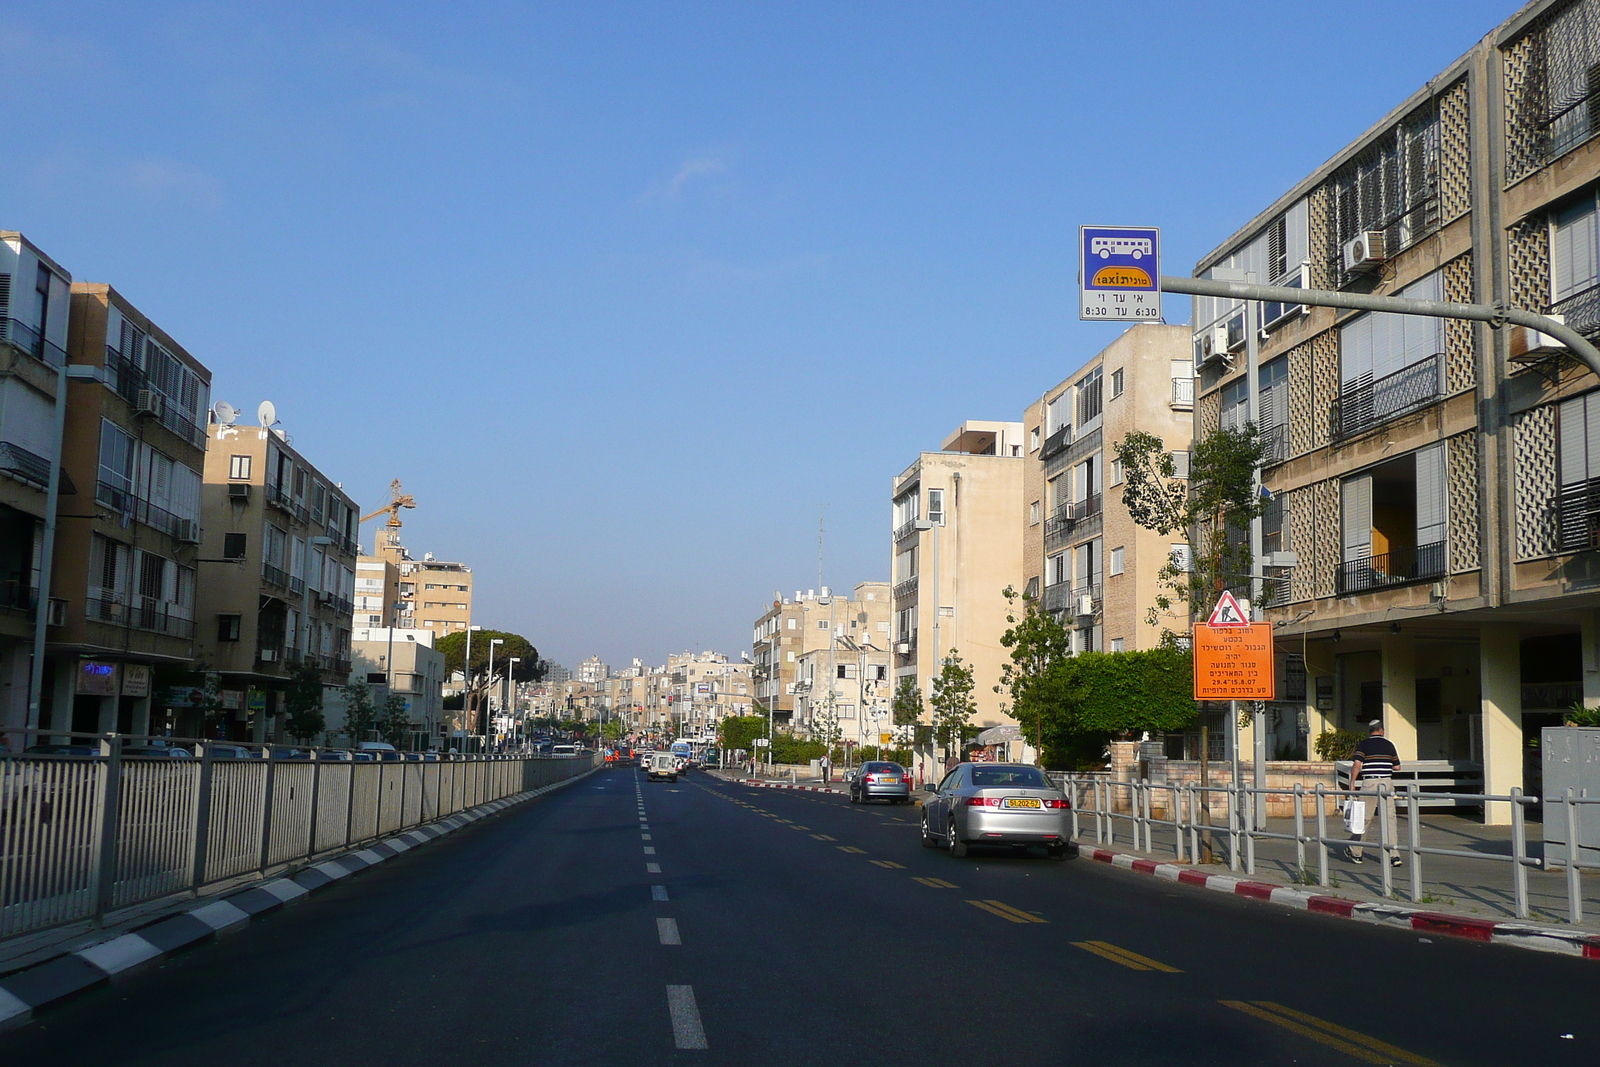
(18, 595)
(28, 466)
(905, 529)
(275, 575)
(297, 586)
(1057, 597)
(1087, 508)
(148, 614)
(1400, 567)
(1578, 516)
(140, 510)
(1581, 311)
(277, 497)
(906, 588)
(1365, 403)
(1055, 442)
(127, 380)
(29, 339)
(1274, 445)
(1183, 392)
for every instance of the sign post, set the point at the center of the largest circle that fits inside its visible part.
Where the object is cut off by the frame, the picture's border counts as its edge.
(1232, 661)
(1119, 273)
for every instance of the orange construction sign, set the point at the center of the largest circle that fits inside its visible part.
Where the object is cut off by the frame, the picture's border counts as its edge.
(1234, 663)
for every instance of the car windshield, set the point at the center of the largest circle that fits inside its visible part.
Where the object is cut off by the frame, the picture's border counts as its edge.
(1023, 777)
(882, 768)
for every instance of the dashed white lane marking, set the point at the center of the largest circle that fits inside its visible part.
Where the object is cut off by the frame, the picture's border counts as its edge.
(667, 930)
(652, 868)
(649, 850)
(687, 1030)
(658, 892)
(644, 837)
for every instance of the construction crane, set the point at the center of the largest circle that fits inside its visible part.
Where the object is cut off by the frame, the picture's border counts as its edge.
(398, 498)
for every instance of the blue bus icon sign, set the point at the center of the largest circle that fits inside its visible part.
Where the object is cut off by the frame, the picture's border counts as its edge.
(1120, 273)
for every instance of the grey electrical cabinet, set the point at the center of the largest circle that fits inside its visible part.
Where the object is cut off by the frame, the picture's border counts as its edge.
(1571, 757)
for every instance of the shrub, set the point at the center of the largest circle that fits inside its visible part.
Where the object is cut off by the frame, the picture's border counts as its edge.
(1338, 744)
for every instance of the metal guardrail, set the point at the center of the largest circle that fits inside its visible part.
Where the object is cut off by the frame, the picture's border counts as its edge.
(1187, 805)
(84, 836)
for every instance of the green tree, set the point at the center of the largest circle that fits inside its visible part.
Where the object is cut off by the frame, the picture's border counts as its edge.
(529, 668)
(1213, 507)
(303, 699)
(906, 707)
(394, 724)
(360, 717)
(951, 701)
(1038, 642)
(741, 731)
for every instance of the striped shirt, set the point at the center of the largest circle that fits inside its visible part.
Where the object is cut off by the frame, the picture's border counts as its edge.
(1377, 756)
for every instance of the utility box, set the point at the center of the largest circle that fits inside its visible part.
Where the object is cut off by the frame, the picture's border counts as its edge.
(1571, 759)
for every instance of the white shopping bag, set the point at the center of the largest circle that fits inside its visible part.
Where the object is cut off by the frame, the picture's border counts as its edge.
(1355, 815)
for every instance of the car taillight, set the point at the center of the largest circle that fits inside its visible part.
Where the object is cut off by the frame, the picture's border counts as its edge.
(983, 802)
(1057, 804)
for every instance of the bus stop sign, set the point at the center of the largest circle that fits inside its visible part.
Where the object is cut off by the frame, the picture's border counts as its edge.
(1119, 273)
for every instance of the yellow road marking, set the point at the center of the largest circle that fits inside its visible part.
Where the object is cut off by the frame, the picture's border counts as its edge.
(1128, 959)
(852, 848)
(797, 826)
(938, 883)
(1352, 1042)
(890, 864)
(824, 837)
(1006, 911)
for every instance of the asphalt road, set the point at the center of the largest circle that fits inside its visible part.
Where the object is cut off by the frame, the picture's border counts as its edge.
(620, 922)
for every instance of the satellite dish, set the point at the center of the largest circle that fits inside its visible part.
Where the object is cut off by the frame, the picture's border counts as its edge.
(266, 414)
(224, 412)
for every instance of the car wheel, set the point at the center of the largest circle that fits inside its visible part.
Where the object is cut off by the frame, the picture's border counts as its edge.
(852, 796)
(1056, 852)
(958, 847)
(928, 840)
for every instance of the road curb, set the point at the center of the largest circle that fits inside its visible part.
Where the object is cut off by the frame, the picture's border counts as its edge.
(1517, 934)
(46, 984)
(756, 783)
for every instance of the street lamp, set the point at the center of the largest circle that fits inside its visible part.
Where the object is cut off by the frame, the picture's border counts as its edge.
(489, 708)
(466, 685)
(511, 686)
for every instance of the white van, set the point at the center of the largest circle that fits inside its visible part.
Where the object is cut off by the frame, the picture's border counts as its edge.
(662, 765)
(564, 751)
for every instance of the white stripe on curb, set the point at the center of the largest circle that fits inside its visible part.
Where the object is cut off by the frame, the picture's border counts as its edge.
(116, 956)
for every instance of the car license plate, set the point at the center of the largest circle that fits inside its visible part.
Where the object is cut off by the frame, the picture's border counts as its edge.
(1022, 802)
(888, 781)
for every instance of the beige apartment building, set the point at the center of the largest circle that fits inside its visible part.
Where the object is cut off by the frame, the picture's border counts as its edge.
(790, 628)
(957, 545)
(127, 559)
(1436, 479)
(289, 598)
(34, 315)
(404, 663)
(1083, 556)
(426, 593)
(847, 686)
(705, 689)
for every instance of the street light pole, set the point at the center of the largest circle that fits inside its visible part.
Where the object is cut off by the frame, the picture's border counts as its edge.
(488, 690)
(466, 685)
(511, 688)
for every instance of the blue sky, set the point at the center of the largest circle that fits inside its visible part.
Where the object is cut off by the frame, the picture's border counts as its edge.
(625, 293)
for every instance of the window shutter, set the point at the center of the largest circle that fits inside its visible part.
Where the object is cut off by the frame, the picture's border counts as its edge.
(1430, 495)
(1572, 432)
(1355, 350)
(1357, 517)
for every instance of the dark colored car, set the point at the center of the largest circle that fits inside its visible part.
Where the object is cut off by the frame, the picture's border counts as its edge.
(61, 750)
(880, 781)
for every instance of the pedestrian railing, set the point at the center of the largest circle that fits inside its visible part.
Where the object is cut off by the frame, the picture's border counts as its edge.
(1136, 809)
(82, 836)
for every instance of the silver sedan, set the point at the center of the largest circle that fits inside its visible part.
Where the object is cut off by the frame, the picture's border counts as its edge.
(1004, 804)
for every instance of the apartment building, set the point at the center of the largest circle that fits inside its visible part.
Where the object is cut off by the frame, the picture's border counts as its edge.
(846, 686)
(377, 599)
(705, 689)
(289, 597)
(1434, 480)
(35, 306)
(127, 555)
(1083, 556)
(435, 595)
(404, 663)
(957, 545)
(790, 628)
(593, 671)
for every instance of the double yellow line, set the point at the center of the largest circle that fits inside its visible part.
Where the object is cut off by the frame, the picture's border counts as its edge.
(1131, 960)
(1006, 911)
(1350, 1042)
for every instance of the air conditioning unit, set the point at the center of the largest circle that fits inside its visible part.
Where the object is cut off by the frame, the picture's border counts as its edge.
(269, 655)
(324, 597)
(56, 612)
(1524, 344)
(1212, 344)
(188, 531)
(1085, 604)
(238, 490)
(1363, 252)
(903, 647)
(149, 402)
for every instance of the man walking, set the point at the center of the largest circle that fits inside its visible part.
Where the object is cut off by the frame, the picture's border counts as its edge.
(1376, 760)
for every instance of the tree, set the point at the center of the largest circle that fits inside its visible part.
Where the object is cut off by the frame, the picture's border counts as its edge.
(303, 699)
(394, 725)
(951, 701)
(1213, 508)
(741, 731)
(360, 718)
(907, 704)
(1038, 641)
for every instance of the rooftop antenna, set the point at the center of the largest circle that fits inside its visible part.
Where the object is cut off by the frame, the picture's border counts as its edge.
(267, 415)
(821, 530)
(225, 413)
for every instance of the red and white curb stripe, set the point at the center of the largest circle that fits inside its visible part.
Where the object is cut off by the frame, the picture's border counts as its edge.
(1521, 935)
(756, 783)
(53, 981)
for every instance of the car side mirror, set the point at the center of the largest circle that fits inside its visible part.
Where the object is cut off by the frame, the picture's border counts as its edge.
(930, 788)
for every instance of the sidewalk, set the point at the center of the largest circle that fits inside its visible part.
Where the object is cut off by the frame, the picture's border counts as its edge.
(1480, 889)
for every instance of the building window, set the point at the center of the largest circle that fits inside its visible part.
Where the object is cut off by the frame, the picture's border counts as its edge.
(1116, 383)
(791, 657)
(1033, 439)
(1058, 412)
(1033, 513)
(227, 627)
(238, 467)
(1390, 364)
(1089, 398)
(936, 506)
(1575, 261)
(822, 624)
(1116, 644)
(1393, 522)
(1180, 464)
(1116, 560)
(791, 624)
(233, 546)
(1057, 569)
(116, 467)
(1116, 472)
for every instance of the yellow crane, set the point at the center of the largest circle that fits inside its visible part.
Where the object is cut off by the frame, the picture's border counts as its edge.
(398, 498)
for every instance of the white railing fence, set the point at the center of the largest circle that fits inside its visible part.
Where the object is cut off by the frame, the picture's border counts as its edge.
(82, 836)
(1181, 815)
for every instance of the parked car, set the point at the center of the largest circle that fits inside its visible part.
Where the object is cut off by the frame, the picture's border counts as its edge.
(231, 752)
(381, 750)
(61, 750)
(662, 765)
(363, 757)
(155, 752)
(880, 781)
(335, 755)
(1006, 804)
(564, 751)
